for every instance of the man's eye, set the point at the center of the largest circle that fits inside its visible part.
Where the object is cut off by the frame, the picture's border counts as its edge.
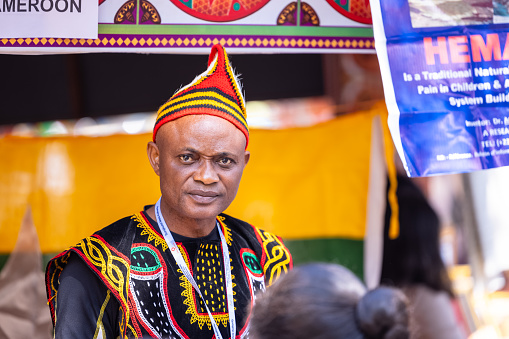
(186, 157)
(225, 161)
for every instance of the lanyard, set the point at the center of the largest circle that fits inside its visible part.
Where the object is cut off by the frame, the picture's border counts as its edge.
(185, 270)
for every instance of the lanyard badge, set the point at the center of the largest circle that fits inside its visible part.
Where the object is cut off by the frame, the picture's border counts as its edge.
(175, 252)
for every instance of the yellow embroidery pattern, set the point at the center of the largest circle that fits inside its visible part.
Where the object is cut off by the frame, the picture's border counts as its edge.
(227, 232)
(101, 257)
(128, 326)
(147, 230)
(278, 256)
(99, 325)
(135, 335)
(57, 271)
(190, 301)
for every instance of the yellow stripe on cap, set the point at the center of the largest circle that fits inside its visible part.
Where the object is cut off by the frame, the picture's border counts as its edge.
(202, 98)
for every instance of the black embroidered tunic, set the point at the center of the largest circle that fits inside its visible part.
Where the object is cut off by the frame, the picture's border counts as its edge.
(122, 281)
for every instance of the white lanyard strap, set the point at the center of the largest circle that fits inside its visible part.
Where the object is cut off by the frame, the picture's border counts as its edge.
(174, 250)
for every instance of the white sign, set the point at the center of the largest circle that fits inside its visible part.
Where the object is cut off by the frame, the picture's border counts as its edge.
(49, 18)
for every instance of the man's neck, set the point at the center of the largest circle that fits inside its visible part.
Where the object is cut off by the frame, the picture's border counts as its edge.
(191, 228)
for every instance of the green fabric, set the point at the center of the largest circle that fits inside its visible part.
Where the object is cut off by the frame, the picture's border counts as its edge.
(45, 259)
(3, 260)
(346, 252)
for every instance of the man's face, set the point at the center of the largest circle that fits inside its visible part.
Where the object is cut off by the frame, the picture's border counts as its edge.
(200, 160)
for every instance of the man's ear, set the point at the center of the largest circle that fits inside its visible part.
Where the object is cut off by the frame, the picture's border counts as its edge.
(153, 156)
(247, 156)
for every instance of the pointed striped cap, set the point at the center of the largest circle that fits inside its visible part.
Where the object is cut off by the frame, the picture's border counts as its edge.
(214, 92)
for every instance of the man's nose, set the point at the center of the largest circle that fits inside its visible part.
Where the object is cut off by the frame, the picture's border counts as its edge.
(206, 173)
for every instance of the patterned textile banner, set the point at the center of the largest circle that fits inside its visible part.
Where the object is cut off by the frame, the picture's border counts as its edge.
(445, 68)
(193, 26)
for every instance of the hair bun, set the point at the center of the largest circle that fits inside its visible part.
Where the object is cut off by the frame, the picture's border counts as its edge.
(382, 313)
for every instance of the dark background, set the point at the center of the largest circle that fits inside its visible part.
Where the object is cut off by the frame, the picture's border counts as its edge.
(53, 87)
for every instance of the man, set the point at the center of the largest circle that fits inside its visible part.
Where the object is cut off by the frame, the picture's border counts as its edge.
(179, 269)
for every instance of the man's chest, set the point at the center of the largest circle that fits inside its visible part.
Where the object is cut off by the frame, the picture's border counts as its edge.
(163, 302)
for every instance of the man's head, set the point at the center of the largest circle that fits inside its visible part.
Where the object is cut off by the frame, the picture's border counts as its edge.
(200, 140)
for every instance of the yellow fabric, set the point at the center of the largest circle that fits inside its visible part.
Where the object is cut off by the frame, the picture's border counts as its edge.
(391, 173)
(75, 185)
(308, 182)
(300, 183)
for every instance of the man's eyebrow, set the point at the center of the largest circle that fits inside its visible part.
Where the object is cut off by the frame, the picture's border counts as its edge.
(189, 149)
(227, 154)
(220, 154)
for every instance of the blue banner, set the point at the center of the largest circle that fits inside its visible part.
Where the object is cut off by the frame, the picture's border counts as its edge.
(445, 68)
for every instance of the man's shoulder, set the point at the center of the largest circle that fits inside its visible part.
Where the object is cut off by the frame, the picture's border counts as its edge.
(241, 225)
(274, 256)
(234, 222)
(118, 229)
(112, 237)
(107, 248)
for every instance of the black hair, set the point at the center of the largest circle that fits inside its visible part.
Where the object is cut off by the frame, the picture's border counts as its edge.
(328, 301)
(414, 257)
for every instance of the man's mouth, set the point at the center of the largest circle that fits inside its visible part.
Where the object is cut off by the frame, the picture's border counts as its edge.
(203, 197)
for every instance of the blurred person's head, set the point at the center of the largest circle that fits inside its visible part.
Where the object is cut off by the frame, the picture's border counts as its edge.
(328, 301)
(414, 257)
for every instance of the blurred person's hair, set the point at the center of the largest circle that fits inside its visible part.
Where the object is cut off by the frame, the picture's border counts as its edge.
(414, 256)
(328, 301)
